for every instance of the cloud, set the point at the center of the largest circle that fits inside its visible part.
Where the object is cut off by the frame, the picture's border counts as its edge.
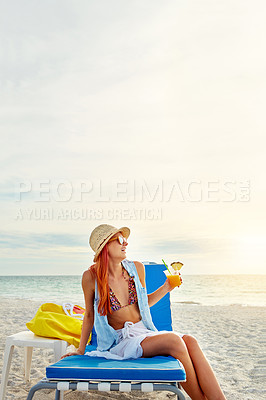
(190, 246)
(39, 241)
(181, 246)
(133, 90)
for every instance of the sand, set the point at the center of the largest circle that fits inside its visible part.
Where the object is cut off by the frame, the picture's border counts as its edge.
(230, 336)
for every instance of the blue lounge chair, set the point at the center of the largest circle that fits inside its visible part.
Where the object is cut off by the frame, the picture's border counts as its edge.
(96, 373)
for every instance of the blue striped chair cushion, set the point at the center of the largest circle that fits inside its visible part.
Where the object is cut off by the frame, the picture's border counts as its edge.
(155, 369)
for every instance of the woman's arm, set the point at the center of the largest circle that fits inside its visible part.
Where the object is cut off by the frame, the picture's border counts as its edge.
(154, 297)
(88, 286)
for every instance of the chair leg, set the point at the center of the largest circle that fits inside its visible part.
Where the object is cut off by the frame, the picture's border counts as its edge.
(9, 348)
(34, 389)
(31, 393)
(180, 395)
(27, 362)
(59, 349)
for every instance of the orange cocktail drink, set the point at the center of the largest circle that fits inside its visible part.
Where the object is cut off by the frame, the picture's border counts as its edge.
(174, 279)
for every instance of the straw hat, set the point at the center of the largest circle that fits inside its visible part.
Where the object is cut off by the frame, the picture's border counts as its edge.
(102, 234)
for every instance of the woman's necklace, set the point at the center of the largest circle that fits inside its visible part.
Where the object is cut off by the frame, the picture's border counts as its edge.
(123, 274)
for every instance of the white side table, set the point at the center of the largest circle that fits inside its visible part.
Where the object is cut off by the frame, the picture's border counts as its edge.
(27, 340)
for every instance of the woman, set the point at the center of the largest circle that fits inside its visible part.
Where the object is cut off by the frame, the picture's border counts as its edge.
(117, 305)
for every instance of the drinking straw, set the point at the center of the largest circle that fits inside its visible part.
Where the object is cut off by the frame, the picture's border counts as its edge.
(167, 267)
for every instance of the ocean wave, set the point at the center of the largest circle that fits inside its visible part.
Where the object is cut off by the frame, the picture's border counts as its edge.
(188, 302)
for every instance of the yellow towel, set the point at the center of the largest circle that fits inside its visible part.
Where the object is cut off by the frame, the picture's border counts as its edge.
(51, 321)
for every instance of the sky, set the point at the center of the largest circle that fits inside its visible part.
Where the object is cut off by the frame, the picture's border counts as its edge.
(141, 114)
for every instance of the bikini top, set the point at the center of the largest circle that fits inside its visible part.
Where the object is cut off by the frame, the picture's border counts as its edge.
(132, 296)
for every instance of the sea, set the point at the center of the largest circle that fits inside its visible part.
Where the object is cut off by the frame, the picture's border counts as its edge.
(210, 290)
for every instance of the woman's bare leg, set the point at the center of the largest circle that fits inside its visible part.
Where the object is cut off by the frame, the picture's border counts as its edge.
(173, 345)
(204, 372)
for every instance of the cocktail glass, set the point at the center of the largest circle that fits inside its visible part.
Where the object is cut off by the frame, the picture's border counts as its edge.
(174, 279)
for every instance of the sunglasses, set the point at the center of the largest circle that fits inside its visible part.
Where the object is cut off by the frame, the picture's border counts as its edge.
(121, 240)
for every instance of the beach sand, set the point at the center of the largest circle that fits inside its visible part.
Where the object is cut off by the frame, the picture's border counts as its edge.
(230, 336)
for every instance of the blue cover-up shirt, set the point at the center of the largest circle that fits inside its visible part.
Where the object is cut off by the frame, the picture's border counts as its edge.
(107, 336)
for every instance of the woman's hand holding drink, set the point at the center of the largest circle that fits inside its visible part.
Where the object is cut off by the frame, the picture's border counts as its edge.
(173, 274)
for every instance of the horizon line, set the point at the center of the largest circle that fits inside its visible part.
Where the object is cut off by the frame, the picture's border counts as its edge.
(238, 274)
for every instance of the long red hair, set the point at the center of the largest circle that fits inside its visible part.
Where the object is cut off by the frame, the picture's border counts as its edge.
(100, 270)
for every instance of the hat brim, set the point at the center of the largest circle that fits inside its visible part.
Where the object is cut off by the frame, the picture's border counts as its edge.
(125, 232)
